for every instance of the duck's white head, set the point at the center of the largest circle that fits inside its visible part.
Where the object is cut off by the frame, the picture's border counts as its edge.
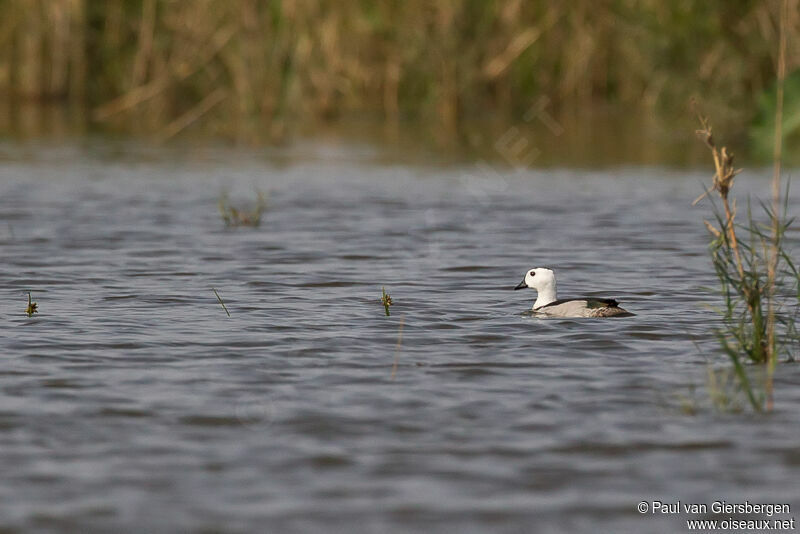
(543, 281)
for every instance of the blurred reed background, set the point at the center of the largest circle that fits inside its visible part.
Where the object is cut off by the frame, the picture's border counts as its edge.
(261, 71)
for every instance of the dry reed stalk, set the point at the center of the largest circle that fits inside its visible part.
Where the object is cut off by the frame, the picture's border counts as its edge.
(433, 61)
(722, 183)
(29, 69)
(783, 16)
(59, 22)
(77, 52)
(145, 47)
(184, 121)
(391, 83)
(131, 99)
(521, 42)
(498, 64)
(179, 72)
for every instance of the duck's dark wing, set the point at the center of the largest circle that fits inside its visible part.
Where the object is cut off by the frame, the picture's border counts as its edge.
(591, 303)
(602, 303)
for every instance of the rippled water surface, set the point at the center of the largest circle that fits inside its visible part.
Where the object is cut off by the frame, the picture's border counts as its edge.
(133, 400)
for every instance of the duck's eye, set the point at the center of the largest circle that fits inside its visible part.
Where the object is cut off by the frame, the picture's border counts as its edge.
(533, 273)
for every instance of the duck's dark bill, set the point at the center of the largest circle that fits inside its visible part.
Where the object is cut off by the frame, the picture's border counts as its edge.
(522, 285)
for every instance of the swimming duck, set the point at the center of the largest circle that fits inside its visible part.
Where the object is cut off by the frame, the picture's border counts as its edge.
(544, 282)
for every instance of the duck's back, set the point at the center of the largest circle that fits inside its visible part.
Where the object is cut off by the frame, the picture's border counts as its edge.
(584, 307)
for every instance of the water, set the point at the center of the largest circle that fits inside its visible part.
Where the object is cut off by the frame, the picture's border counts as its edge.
(131, 402)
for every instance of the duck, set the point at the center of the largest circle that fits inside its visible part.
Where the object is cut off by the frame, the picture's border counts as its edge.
(544, 282)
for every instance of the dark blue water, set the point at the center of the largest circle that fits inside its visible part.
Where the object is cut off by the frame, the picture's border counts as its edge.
(132, 403)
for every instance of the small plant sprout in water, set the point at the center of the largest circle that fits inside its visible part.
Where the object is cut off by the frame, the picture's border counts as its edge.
(242, 216)
(221, 302)
(386, 300)
(32, 306)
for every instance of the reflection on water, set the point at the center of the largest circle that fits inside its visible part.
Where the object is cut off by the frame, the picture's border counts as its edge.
(30, 120)
(541, 136)
(132, 399)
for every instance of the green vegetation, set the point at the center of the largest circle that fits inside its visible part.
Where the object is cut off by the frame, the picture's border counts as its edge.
(760, 285)
(386, 300)
(759, 282)
(221, 302)
(32, 306)
(762, 133)
(233, 216)
(253, 70)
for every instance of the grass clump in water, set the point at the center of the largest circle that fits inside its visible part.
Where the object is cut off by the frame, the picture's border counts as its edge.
(758, 279)
(386, 300)
(32, 306)
(238, 216)
(758, 282)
